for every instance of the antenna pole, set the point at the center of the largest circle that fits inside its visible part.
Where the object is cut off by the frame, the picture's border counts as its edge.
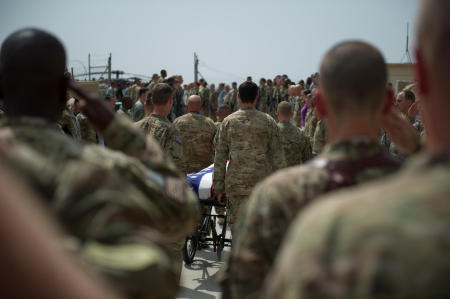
(195, 67)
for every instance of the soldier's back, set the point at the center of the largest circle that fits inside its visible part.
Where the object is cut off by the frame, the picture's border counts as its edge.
(276, 201)
(394, 245)
(167, 135)
(296, 146)
(249, 136)
(197, 134)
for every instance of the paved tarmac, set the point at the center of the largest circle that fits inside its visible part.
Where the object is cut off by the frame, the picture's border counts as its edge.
(198, 280)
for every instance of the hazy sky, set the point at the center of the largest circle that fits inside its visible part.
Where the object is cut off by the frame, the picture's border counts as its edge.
(232, 38)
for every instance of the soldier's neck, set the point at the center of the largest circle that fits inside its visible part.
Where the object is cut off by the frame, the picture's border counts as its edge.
(248, 105)
(160, 111)
(359, 126)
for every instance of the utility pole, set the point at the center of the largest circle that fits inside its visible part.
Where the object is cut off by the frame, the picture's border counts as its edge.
(71, 69)
(109, 68)
(89, 66)
(195, 67)
(407, 55)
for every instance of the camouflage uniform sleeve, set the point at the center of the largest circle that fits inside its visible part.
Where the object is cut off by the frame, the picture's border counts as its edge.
(276, 148)
(148, 274)
(180, 205)
(352, 245)
(220, 160)
(123, 135)
(307, 153)
(320, 138)
(175, 147)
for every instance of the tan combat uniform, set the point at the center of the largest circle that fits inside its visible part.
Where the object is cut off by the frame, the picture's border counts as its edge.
(320, 137)
(166, 134)
(110, 204)
(276, 201)
(251, 141)
(387, 239)
(296, 146)
(88, 133)
(197, 135)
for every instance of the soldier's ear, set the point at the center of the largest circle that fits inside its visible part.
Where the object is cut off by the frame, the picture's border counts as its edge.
(321, 107)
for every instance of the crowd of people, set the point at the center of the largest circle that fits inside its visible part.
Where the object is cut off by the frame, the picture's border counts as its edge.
(334, 187)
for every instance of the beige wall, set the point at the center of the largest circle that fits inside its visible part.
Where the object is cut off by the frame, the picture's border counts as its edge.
(400, 75)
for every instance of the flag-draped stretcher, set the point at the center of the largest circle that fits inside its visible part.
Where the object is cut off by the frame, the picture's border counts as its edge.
(202, 183)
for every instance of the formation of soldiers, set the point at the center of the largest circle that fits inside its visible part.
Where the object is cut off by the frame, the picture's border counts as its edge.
(334, 188)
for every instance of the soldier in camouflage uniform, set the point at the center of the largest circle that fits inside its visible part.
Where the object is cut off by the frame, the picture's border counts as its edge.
(222, 112)
(298, 105)
(163, 76)
(127, 104)
(296, 146)
(359, 244)
(133, 91)
(231, 98)
(311, 118)
(262, 98)
(320, 137)
(251, 141)
(271, 104)
(155, 79)
(159, 127)
(197, 133)
(69, 124)
(213, 102)
(29, 248)
(346, 161)
(88, 132)
(204, 94)
(109, 201)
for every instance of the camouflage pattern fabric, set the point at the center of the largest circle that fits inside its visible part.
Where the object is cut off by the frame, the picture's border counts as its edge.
(320, 137)
(69, 124)
(213, 100)
(251, 141)
(107, 201)
(192, 92)
(310, 123)
(231, 100)
(197, 134)
(262, 99)
(166, 134)
(358, 244)
(204, 94)
(178, 102)
(296, 146)
(297, 118)
(134, 93)
(277, 200)
(88, 133)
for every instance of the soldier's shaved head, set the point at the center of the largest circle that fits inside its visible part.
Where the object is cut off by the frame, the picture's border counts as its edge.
(32, 65)
(284, 108)
(194, 103)
(353, 78)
